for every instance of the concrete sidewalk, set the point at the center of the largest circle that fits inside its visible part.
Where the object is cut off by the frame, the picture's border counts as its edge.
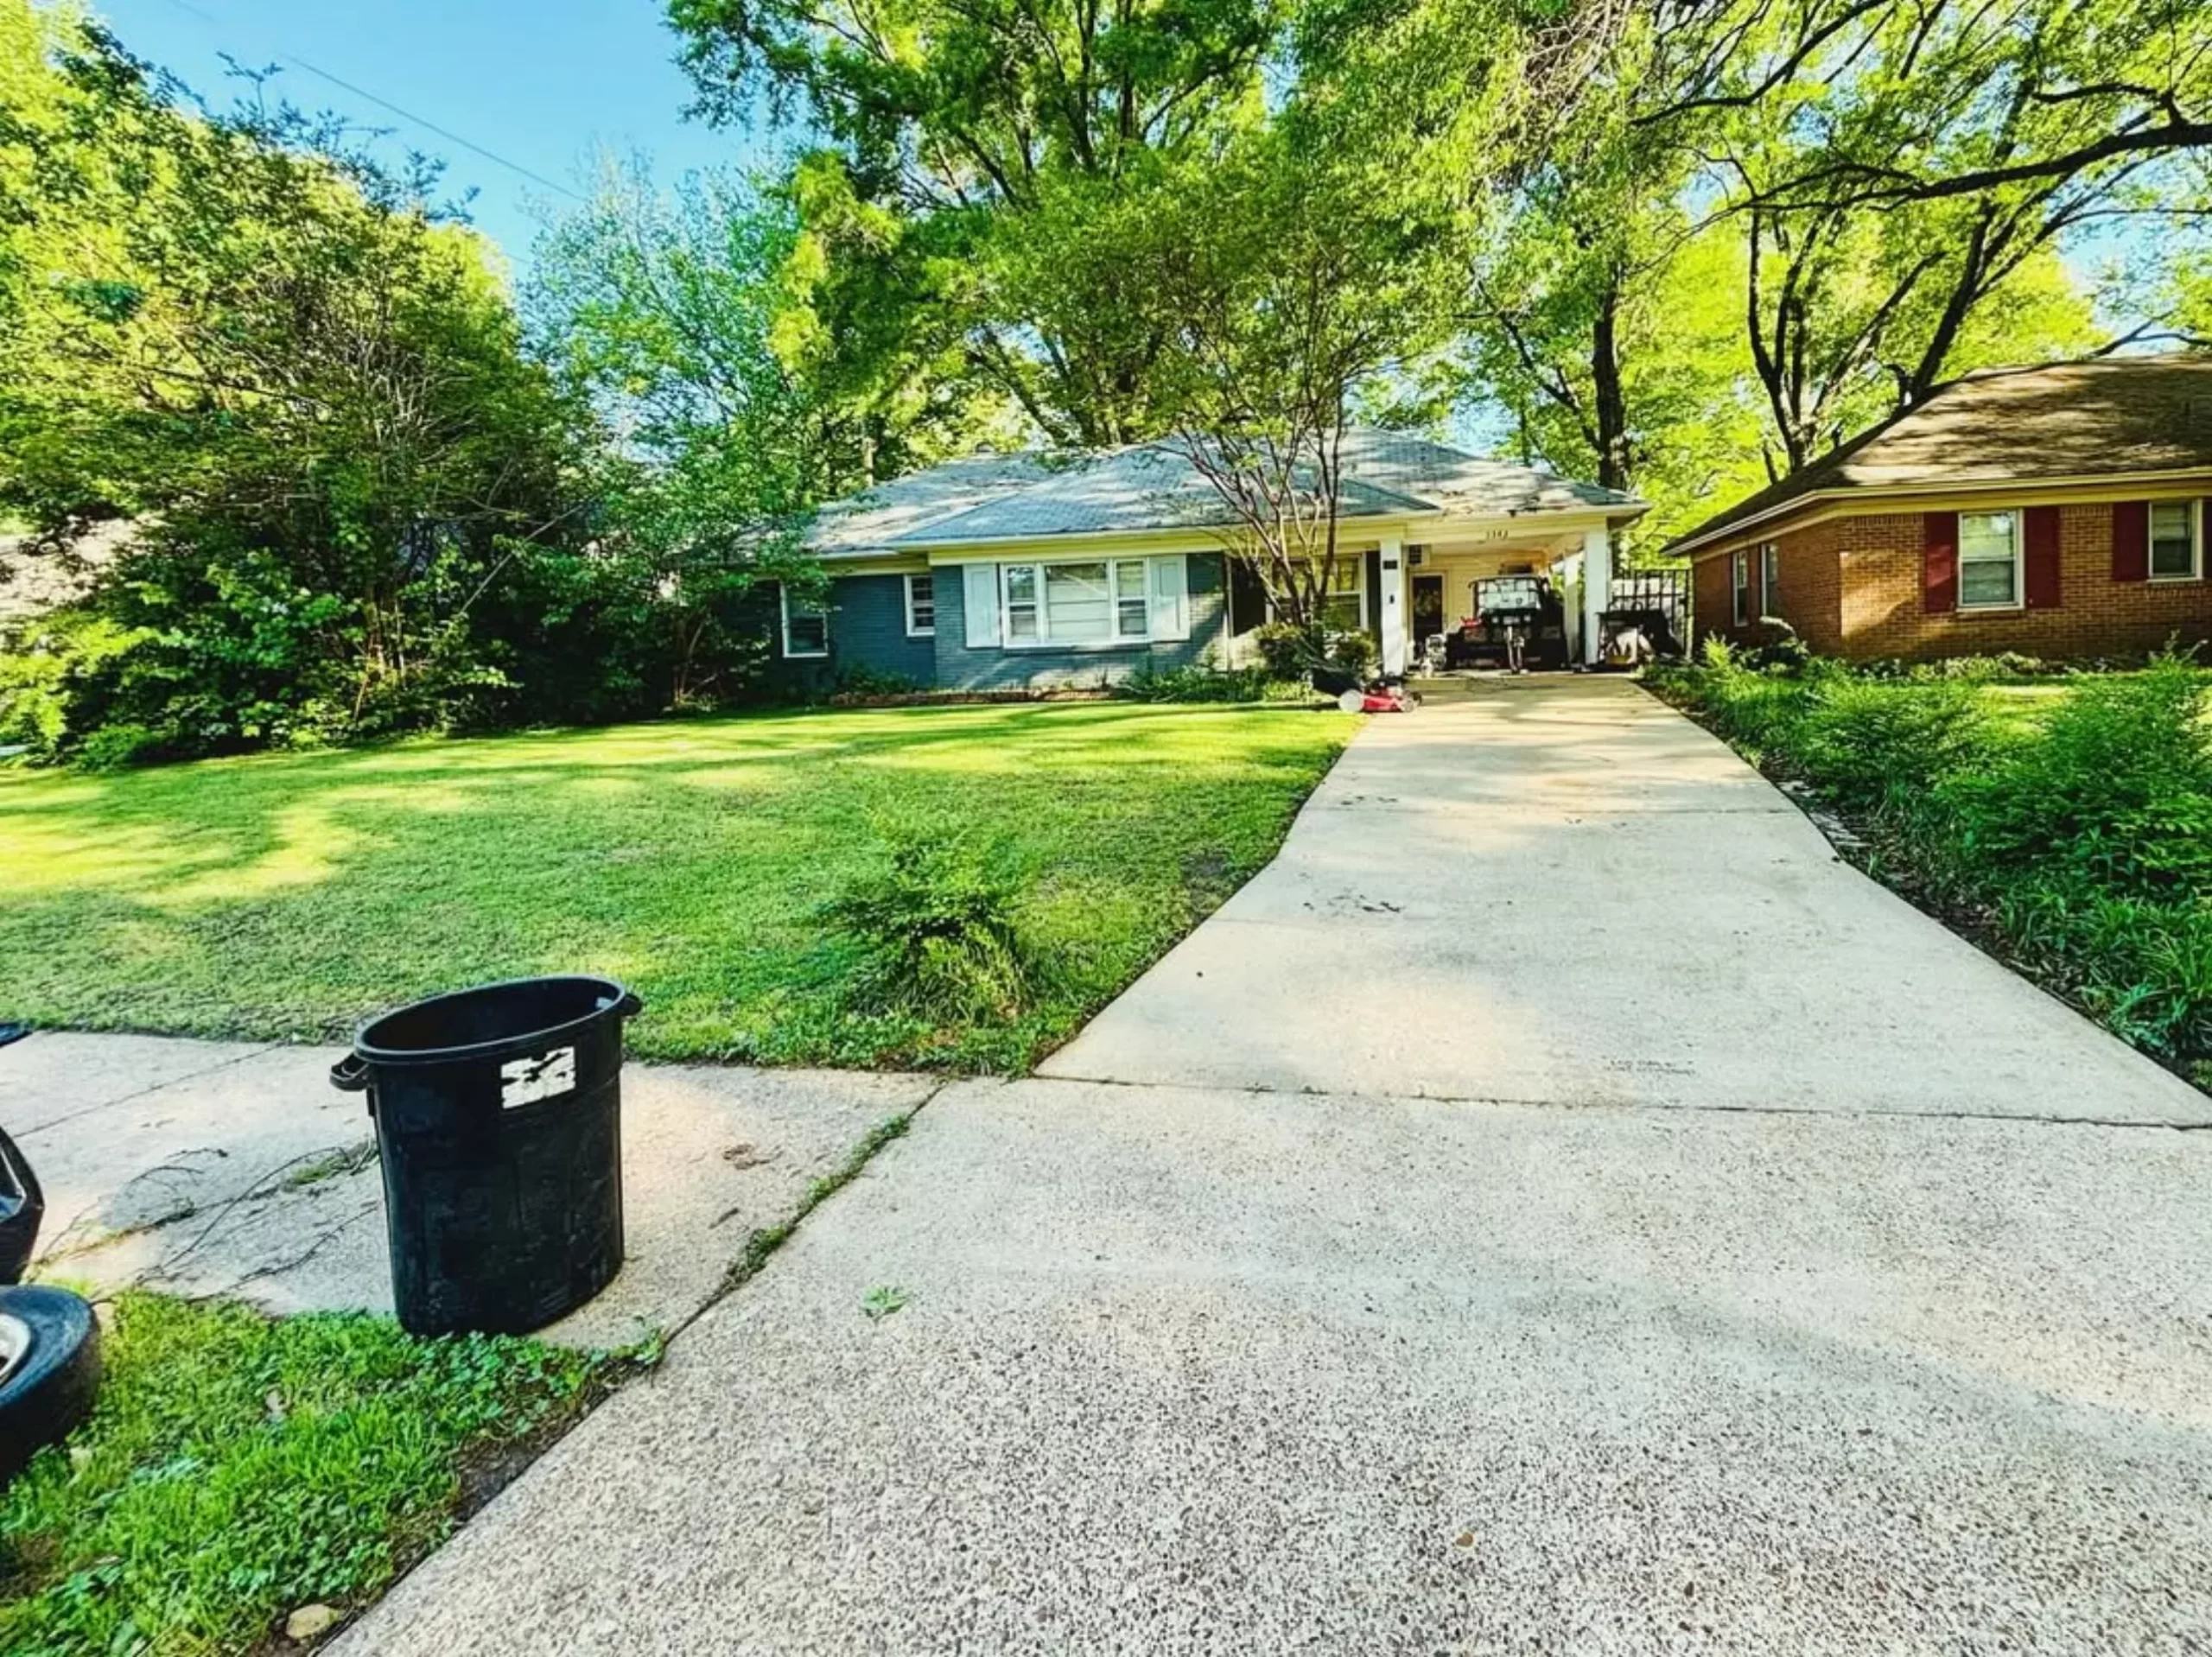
(1814, 1287)
(234, 1168)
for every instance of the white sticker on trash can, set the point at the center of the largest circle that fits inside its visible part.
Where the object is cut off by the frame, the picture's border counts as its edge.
(525, 1081)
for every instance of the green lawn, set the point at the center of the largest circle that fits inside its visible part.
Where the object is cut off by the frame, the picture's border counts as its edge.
(236, 1469)
(288, 896)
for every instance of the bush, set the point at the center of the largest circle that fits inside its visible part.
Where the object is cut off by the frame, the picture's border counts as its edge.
(2144, 969)
(2115, 791)
(1196, 685)
(1777, 649)
(1288, 651)
(2084, 835)
(860, 682)
(47, 683)
(1757, 711)
(1868, 744)
(1354, 653)
(936, 925)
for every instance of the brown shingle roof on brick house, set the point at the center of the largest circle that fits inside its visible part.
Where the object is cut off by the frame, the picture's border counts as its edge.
(2116, 416)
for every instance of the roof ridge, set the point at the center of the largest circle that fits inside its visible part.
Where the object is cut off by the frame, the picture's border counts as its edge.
(2061, 427)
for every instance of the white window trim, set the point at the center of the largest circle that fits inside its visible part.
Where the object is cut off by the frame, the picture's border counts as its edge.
(784, 607)
(2019, 599)
(2195, 545)
(907, 587)
(1044, 641)
(1740, 584)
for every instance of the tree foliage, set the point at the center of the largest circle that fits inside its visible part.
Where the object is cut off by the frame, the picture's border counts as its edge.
(359, 504)
(1888, 194)
(996, 150)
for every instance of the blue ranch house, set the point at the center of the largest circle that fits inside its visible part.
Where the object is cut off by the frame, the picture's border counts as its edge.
(1006, 572)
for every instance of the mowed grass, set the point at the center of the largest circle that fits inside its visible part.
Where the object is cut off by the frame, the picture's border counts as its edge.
(286, 897)
(237, 1468)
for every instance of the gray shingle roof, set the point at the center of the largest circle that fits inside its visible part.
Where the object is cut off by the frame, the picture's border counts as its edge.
(877, 517)
(2118, 415)
(1152, 486)
(1473, 484)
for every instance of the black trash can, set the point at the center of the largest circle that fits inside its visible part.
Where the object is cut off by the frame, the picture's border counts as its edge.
(498, 1116)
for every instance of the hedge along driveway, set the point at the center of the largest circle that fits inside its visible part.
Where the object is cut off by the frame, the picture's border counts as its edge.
(284, 897)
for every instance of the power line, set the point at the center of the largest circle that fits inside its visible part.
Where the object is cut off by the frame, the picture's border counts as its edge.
(404, 114)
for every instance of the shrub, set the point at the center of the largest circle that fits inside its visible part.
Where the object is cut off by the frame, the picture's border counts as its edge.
(1777, 649)
(1354, 653)
(2115, 789)
(2084, 833)
(862, 682)
(1758, 711)
(1204, 683)
(48, 682)
(1869, 744)
(2144, 969)
(937, 924)
(1288, 651)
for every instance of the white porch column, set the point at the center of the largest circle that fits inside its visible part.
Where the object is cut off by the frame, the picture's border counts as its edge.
(1596, 587)
(1397, 614)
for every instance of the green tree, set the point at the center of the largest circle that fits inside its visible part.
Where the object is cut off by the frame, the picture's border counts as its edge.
(1908, 179)
(306, 386)
(963, 146)
(1890, 193)
(1306, 280)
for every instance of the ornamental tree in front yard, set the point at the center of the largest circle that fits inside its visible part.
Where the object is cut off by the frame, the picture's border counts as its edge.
(1300, 282)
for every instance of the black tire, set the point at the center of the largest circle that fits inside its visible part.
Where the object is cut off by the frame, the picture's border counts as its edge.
(22, 1205)
(50, 1387)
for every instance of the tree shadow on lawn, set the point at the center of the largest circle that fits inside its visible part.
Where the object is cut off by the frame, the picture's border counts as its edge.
(288, 896)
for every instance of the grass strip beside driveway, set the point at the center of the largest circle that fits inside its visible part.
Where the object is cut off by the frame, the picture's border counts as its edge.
(238, 1468)
(284, 897)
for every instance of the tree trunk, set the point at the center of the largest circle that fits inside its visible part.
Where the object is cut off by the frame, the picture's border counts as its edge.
(1611, 400)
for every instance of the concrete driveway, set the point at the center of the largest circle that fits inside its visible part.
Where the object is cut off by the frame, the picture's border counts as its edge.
(1565, 892)
(1664, 1323)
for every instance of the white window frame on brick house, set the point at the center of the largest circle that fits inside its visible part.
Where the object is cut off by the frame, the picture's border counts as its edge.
(2192, 513)
(2017, 530)
(804, 614)
(1026, 595)
(1770, 577)
(1739, 581)
(921, 606)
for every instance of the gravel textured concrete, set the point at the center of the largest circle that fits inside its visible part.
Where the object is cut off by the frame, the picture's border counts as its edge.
(1563, 890)
(1207, 1371)
(216, 1168)
(1893, 1346)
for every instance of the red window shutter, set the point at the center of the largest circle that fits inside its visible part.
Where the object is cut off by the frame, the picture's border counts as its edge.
(2042, 558)
(1939, 562)
(2131, 540)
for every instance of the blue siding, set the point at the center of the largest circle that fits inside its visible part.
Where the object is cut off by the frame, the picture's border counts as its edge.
(959, 667)
(867, 629)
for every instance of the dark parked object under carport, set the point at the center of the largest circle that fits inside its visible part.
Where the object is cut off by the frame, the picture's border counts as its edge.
(498, 1121)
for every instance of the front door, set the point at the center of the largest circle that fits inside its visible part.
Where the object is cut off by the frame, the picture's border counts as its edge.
(1428, 609)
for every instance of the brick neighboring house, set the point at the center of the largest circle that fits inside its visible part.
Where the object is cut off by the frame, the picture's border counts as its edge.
(2055, 511)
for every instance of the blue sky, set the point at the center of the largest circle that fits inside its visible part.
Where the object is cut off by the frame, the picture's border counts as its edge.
(540, 83)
